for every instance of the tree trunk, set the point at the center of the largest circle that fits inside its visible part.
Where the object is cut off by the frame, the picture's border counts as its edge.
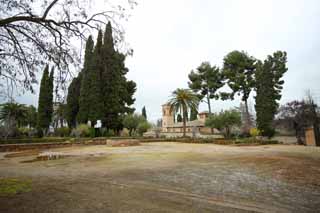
(247, 118)
(227, 132)
(184, 123)
(209, 108)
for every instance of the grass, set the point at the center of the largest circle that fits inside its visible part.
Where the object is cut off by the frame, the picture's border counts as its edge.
(11, 186)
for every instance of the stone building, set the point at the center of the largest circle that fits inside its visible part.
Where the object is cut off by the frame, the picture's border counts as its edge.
(196, 126)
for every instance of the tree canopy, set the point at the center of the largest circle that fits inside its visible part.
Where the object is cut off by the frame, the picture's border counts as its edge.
(104, 92)
(239, 69)
(45, 103)
(224, 120)
(206, 81)
(269, 83)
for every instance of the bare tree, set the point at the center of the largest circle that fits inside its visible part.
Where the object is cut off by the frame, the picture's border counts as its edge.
(36, 32)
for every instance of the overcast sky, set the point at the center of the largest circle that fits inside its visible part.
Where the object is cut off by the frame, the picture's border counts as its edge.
(170, 38)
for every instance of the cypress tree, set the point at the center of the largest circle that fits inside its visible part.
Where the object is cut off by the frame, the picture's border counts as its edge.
(117, 91)
(268, 89)
(95, 96)
(85, 83)
(72, 107)
(50, 94)
(144, 112)
(45, 107)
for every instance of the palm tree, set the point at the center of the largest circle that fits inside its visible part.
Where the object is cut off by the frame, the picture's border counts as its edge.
(12, 115)
(183, 100)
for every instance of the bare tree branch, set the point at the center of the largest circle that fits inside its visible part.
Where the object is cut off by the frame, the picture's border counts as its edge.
(29, 38)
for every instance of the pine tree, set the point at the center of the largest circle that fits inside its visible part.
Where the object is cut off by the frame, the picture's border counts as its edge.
(72, 107)
(239, 69)
(45, 107)
(144, 112)
(85, 83)
(268, 89)
(206, 81)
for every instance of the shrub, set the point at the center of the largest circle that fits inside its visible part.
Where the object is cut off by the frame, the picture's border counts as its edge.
(82, 130)
(143, 127)
(62, 132)
(107, 132)
(254, 132)
(39, 133)
(92, 132)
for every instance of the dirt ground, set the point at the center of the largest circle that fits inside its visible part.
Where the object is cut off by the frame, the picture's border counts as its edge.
(166, 177)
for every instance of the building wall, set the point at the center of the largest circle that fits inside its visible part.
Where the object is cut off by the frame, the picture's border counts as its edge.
(167, 117)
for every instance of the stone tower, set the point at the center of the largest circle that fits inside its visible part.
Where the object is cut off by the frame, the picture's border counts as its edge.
(167, 116)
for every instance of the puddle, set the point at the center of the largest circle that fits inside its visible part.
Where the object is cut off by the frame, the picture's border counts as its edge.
(46, 156)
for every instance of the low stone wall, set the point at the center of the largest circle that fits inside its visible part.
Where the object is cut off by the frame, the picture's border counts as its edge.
(286, 139)
(22, 147)
(128, 142)
(177, 135)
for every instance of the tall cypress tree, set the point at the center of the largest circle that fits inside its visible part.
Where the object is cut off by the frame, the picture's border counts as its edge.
(95, 95)
(144, 112)
(117, 91)
(85, 83)
(72, 107)
(105, 92)
(45, 106)
(268, 89)
(50, 94)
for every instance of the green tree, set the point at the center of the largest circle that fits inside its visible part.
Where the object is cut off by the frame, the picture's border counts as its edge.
(193, 115)
(12, 115)
(144, 112)
(50, 94)
(45, 107)
(224, 120)
(31, 118)
(116, 89)
(143, 127)
(206, 81)
(95, 95)
(268, 89)
(183, 100)
(131, 122)
(179, 118)
(72, 107)
(85, 83)
(239, 69)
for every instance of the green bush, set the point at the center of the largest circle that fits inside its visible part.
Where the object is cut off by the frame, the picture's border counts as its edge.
(62, 132)
(92, 132)
(107, 133)
(143, 127)
(82, 130)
